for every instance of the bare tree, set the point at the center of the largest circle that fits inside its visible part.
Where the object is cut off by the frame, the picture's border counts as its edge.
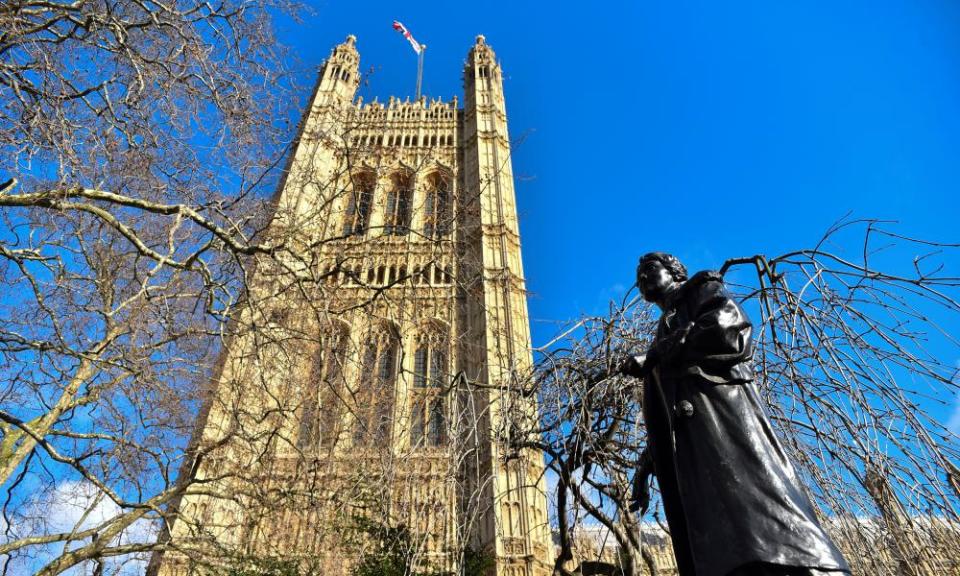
(855, 357)
(137, 140)
(138, 143)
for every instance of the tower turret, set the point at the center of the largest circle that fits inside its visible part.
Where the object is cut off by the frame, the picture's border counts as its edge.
(482, 76)
(339, 74)
(518, 528)
(325, 127)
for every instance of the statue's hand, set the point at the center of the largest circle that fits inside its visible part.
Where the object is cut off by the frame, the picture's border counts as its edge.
(633, 366)
(640, 498)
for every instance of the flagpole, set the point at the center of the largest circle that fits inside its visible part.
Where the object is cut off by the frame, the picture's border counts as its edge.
(423, 48)
(417, 47)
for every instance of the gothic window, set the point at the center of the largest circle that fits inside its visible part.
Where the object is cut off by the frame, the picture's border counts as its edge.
(396, 219)
(322, 406)
(516, 520)
(378, 374)
(436, 207)
(428, 405)
(429, 426)
(430, 363)
(436, 435)
(357, 216)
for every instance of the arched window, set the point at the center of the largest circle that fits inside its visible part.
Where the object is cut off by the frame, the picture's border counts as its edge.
(378, 376)
(436, 207)
(357, 216)
(430, 375)
(323, 403)
(430, 362)
(396, 219)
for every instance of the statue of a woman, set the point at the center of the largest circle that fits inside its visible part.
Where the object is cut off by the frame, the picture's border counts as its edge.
(733, 501)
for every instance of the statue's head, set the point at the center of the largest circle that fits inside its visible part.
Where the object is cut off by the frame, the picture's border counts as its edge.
(658, 274)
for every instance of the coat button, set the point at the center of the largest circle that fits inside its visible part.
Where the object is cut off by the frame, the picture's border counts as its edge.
(685, 408)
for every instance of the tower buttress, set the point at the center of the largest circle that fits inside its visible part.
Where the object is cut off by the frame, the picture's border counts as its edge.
(517, 528)
(310, 181)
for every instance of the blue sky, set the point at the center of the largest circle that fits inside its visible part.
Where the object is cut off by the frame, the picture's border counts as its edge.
(707, 129)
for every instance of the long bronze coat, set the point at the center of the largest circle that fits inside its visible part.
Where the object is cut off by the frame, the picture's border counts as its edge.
(729, 491)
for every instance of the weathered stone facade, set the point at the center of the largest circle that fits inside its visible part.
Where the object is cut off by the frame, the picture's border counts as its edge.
(869, 543)
(380, 393)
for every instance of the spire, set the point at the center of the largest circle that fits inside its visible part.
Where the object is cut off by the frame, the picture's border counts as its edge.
(480, 55)
(340, 73)
(481, 70)
(482, 77)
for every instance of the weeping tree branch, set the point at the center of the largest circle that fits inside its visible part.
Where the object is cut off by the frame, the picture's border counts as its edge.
(855, 362)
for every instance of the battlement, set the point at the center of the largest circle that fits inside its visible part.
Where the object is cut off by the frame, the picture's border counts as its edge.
(408, 109)
(404, 122)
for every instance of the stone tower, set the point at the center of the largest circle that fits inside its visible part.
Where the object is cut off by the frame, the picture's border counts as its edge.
(376, 397)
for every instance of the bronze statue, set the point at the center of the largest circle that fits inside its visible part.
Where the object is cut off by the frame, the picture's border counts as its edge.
(733, 501)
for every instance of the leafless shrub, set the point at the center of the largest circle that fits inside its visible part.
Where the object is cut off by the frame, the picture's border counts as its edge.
(855, 358)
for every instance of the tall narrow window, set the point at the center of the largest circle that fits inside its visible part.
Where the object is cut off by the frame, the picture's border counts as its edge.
(428, 406)
(429, 426)
(438, 366)
(397, 216)
(436, 207)
(420, 366)
(436, 436)
(374, 410)
(357, 216)
(320, 421)
(430, 364)
(418, 426)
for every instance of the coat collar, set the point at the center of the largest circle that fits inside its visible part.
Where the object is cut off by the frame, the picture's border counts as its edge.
(690, 286)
